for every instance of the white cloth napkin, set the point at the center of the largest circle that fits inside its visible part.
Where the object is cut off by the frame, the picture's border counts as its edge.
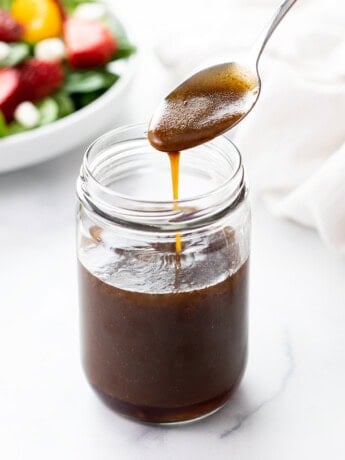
(293, 143)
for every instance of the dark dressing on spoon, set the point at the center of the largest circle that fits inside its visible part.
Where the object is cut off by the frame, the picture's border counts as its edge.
(206, 105)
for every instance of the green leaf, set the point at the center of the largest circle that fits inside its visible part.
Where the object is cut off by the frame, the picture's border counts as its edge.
(72, 4)
(49, 111)
(83, 99)
(3, 126)
(16, 128)
(19, 52)
(64, 102)
(5, 4)
(88, 81)
(125, 49)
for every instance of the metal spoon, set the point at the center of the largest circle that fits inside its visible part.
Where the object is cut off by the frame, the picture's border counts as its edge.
(211, 101)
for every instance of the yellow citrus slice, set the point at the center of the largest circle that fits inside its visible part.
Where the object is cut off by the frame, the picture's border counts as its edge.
(41, 18)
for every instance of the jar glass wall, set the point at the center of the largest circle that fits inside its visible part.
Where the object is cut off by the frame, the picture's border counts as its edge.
(164, 333)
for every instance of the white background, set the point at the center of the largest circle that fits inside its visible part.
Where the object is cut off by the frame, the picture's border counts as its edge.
(291, 404)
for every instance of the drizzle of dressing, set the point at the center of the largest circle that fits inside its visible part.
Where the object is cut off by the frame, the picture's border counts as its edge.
(204, 106)
(174, 158)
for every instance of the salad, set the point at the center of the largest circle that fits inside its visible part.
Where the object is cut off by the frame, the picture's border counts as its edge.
(56, 57)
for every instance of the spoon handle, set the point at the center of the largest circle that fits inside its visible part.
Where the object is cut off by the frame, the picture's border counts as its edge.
(270, 28)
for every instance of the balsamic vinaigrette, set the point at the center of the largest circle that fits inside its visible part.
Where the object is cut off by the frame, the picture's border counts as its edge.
(155, 357)
(204, 106)
(174, 351)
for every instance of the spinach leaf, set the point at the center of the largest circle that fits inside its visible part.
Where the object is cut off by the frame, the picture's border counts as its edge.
(19, 52)
(125, 49)
(3, 126)
(72, 4)
(5, 4)
(88, 81)
(64, 102)
(49, 111)
(16, 128)
(83, 99)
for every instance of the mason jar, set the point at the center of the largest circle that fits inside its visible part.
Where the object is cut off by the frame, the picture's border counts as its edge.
(163, 330)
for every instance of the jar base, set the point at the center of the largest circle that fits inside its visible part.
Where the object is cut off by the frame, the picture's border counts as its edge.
(167, 416)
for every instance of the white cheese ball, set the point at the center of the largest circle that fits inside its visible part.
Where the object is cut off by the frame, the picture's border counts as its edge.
(90, 11)
(51, 49)
(27, 114)
(5, 50)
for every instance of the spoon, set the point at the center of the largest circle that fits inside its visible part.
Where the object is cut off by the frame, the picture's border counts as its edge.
(211, 101)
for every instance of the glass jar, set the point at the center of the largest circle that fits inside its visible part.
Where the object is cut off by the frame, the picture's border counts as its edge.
(164, 333)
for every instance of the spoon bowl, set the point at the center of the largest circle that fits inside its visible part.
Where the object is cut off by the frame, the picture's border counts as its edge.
(211, 101)
(203, 107)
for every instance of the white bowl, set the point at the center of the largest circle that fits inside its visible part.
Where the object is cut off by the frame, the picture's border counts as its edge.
(30, 147)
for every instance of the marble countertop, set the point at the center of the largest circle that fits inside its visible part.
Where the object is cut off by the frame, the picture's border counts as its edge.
(291, 404)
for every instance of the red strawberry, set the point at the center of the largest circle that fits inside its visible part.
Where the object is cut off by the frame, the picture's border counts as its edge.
(89, 43)
(10, 94)
(10, 30)
(39, 78)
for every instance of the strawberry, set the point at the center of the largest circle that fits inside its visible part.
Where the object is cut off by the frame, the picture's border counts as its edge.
(10, 93)
(31, 81)
(89, 43)
(10, 30)
(39, 78)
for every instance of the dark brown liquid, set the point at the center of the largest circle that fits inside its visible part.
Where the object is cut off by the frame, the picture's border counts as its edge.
(164, 357)
(203, 107)
(176, 355)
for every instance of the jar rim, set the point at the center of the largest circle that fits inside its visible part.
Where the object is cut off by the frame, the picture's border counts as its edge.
(89, 185)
